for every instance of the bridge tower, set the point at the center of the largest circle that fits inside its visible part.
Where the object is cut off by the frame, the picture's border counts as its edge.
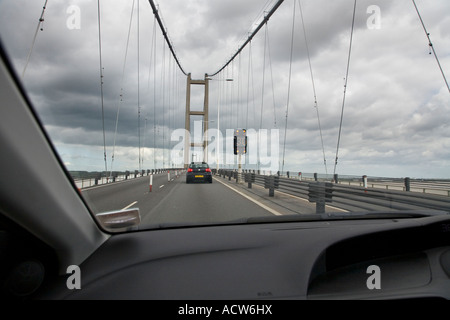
(203, 112)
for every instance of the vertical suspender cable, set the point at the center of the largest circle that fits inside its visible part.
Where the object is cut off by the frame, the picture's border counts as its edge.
(163, 79)
(41, 21)
(248, 80)
(273, 87)
(154, 95)
(121, 87)
(262, 91)
(173, 86)
(169, 70)
(431, 45)
(152, 64)
(101, 83)
(175, 96)
(170, 94)
(345, 87)
(263, 78)
(219, 97)
(138, 92)
(289, 88)
(313, 86)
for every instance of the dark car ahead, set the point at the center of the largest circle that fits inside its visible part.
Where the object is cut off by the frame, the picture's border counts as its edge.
(198, 171)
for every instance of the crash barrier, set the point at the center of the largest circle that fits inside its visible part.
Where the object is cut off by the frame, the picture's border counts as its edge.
(94, 179)
(430, 186)
(347, 197)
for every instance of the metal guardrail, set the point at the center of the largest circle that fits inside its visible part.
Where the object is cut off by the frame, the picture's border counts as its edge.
(439, 187)
(347, 197)
(103, 178)
(424, 187)
(90, 182)
(430, 186)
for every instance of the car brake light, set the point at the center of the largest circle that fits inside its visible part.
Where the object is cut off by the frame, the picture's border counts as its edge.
(190, 170)
(208, 170)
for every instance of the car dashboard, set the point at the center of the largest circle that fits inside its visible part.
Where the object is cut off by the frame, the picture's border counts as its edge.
(293, 261)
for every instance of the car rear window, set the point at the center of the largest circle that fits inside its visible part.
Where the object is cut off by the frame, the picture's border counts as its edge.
(199, 166)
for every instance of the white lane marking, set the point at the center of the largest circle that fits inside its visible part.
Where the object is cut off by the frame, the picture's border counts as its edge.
(251, 199)
(131, 204)
(161, 186)
(336, 208)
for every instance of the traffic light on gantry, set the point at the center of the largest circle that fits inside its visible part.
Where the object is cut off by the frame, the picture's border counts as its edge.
(240, 141)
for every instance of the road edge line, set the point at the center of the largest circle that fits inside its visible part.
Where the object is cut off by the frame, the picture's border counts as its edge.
(274, 212)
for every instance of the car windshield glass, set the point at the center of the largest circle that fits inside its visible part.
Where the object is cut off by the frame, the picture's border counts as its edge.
(300, 108)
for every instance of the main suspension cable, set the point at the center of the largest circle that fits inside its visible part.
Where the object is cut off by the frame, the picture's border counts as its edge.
(166, 36)
(249, 39)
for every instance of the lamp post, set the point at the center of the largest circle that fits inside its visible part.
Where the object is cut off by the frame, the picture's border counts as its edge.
(218, 118)
(205, 139)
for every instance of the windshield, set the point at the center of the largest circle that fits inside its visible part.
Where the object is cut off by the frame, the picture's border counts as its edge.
(314, 109)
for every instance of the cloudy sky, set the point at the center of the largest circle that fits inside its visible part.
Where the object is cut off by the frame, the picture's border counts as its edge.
(397, 106)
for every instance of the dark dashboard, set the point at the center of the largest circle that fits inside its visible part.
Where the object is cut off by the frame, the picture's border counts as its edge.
(308, 260)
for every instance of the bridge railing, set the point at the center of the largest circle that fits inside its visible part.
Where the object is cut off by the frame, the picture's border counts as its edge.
(95, 179)
(344, 196)
(438, 187)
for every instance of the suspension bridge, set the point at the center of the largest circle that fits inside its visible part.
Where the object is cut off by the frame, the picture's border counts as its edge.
(233, 81)
(180, 118)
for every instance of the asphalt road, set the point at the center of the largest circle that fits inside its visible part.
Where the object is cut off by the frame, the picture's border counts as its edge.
(174, 201)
